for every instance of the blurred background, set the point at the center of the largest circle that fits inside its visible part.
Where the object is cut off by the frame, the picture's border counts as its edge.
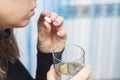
(93, 24)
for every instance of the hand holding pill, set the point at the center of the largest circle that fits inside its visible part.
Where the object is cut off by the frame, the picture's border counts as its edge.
(47, 19)
(51, 32)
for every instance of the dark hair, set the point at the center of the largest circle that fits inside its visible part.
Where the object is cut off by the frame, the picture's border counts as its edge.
(8, 52)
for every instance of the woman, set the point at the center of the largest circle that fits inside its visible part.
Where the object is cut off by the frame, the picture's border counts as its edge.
(16, 14)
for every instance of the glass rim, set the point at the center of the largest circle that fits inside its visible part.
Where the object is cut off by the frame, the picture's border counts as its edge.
(83, 55)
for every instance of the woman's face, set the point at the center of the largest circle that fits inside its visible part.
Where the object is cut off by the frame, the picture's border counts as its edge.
(16, 13)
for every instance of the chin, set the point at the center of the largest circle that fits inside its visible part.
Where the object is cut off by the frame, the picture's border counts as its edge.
(24, 24)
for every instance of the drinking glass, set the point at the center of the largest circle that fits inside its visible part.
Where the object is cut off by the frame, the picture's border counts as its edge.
(68, 62)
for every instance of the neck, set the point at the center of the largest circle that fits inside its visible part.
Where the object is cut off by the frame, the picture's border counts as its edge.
(2, 28)
(4, 33)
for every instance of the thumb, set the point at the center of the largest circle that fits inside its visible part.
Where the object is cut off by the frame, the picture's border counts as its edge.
(84, 74)
(51, 74)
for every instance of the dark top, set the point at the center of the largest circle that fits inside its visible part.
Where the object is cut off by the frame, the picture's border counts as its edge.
(17, 71)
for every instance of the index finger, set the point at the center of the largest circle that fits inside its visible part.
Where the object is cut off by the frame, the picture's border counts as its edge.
(42, 15)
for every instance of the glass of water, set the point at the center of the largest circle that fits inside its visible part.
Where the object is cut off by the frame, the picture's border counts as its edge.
(68, 62)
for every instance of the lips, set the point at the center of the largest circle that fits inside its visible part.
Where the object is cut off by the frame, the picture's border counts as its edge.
(33, 8)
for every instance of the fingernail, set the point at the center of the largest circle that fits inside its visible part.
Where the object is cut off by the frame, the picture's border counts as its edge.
(61, 33)
(56, 22)
(53, 18)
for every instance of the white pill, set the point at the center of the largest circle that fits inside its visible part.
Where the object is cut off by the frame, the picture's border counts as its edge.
(47, 19)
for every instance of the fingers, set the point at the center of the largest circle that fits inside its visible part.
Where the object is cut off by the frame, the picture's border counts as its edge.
(51, 74)
(62, 33)
(56, 20)
(42, 15)
(54, 25)
(84, 74)
(58, 24)
(53, 16)
(59, 21)
(48, 25)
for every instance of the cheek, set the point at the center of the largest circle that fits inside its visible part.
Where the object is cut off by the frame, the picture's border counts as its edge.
(19, 18)
(15, 16)
(19, 22)
(14, 21)
(22, 23)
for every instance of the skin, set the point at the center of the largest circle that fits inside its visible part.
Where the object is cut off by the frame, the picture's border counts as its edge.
(51, 35)
(54, 34)
(17, 13)
(84, 74)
